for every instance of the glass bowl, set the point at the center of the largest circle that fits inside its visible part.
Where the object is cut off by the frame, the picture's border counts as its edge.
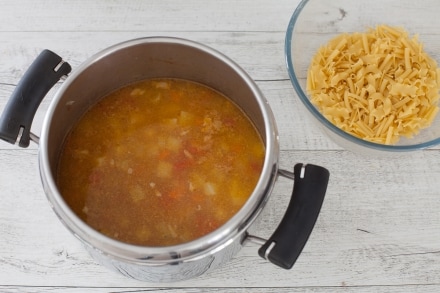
(315, 22)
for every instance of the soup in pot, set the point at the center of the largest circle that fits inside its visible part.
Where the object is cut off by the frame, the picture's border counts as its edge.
(160, 162)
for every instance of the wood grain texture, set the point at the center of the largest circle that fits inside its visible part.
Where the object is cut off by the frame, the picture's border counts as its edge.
(363, 289)
(379, 227)
(139, 15)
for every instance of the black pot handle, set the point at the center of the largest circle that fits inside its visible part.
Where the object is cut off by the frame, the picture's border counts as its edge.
(289, 239)
(17, 117)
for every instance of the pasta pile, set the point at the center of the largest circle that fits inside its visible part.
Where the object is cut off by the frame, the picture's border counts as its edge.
(378, 86)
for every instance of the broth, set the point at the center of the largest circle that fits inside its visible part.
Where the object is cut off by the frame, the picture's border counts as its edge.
(160, 162)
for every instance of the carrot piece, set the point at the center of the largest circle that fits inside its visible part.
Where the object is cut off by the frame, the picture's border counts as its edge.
(197, 197)
(175, 194)
(175, 96)
(164, 154)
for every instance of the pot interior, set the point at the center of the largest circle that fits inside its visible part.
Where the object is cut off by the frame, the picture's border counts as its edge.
(121, 65)
(149, 58)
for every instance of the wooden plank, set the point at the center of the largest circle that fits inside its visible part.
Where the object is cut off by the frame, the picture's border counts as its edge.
(347, 289)
(137, 15)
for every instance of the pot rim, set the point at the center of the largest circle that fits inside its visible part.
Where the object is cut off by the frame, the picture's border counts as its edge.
(206, 245)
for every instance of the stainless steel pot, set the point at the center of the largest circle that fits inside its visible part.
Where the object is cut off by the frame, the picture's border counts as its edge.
(154, 57)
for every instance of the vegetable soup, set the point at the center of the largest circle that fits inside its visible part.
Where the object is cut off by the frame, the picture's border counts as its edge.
(160, 162)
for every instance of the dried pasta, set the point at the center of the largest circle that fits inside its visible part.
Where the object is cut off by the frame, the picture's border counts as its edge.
(379, 85)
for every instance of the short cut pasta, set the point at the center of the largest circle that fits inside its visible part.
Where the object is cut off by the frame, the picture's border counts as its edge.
(379, 85)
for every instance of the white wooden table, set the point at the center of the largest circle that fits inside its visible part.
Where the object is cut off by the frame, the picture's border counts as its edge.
(379, 228)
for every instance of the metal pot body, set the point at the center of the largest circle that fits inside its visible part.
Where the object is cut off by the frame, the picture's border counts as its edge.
(162, 57)
(133, 61)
